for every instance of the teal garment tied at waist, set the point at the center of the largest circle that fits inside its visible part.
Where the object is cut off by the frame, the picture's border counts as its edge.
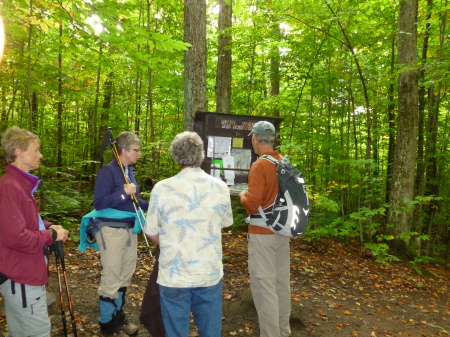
(109, 213)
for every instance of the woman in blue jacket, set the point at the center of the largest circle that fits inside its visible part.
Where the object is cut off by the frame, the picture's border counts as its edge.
(116, 238)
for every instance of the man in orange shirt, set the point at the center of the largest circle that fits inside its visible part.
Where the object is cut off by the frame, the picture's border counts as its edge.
(268, 253)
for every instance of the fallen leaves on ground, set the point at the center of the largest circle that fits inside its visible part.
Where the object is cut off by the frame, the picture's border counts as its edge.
(337, 291)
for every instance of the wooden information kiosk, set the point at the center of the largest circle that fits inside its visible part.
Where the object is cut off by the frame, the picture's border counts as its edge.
(228, 148)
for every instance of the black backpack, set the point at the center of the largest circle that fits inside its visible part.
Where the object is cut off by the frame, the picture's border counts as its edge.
(289, 213)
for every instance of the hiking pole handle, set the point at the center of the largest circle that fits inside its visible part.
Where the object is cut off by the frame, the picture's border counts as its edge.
(59, 252)
(59, 249)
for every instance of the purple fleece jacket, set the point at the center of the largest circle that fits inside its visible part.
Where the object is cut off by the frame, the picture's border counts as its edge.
(21, 242)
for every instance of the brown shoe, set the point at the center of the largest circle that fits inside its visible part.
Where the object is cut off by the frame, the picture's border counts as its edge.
(123, 325)
(129, 328)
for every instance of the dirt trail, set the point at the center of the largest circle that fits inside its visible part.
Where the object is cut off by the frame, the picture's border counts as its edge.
(335, 292)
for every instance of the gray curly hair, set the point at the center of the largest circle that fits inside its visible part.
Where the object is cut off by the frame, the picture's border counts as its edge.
(187, 149)
(125, 140)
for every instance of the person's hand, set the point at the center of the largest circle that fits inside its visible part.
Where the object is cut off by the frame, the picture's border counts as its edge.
(55, 227)
(243, 193)
(62, 234)
(129, 188)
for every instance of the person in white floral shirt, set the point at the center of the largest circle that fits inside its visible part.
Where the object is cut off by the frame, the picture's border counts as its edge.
(185, 217)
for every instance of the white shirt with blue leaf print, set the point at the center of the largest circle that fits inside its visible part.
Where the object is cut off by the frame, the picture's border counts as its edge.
(188, 212)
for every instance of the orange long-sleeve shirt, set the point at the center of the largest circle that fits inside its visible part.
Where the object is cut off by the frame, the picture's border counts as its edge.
(262, 189)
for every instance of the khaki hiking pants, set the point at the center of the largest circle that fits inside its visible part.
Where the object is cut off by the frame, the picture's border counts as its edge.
(118, 259)
(269, 269)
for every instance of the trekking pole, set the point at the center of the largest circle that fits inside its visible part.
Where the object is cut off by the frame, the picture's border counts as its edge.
(61, 298)
(59, 253)
(137, 208)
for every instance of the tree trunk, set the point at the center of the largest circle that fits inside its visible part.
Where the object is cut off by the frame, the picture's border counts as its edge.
(275, 73)
(435, 95)
(251, 79)
(224, 62)
(34, 111)
(29, 95)
(107, 99)
(92, 128)
(151, 117)
(59, 138)
(138, 103)
(432, 186)
(4, 116)
(194, 60)
(402, 192)
(420, 174)
(391, 118)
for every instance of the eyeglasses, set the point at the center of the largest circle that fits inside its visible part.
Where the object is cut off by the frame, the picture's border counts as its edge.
(135, 150)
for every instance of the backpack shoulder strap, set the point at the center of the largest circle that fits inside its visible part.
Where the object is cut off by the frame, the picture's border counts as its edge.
(268, 209)
(270, 158)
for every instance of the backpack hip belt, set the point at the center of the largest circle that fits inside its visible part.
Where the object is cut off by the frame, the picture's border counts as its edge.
(257, 220)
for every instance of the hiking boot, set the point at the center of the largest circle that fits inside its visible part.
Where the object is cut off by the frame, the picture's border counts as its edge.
(113, 334)
(129, 328)
(123, 325)
(110, 330)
